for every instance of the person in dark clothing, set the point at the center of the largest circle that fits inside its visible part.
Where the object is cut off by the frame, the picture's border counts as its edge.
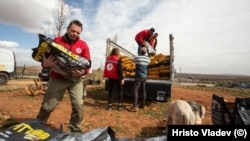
(143, 36)
(141, 72)
(113, 71)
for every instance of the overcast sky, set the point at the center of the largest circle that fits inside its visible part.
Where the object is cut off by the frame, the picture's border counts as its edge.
(210, 36)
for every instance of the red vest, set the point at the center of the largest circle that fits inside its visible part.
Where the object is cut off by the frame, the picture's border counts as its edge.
(110, 70)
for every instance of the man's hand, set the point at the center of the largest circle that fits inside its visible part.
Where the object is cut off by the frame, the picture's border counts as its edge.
(49, 62)
(122, 82)
(77, 73)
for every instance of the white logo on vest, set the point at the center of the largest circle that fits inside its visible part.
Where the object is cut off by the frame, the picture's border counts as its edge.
(109, 66)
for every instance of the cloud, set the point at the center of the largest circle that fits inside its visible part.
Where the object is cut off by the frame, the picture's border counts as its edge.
(8, 44)
(211, 36)
(27, 16)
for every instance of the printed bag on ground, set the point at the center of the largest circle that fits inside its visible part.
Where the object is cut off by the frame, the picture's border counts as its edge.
(31, 130)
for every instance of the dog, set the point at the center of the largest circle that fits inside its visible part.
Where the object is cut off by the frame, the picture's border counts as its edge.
(181, 112)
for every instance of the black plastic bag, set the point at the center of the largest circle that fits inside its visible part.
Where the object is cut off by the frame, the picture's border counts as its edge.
(99, 134)
(242, 111)
(65, 57)
(67, 61)
(239, 114)
(31, 130)
(220, 113)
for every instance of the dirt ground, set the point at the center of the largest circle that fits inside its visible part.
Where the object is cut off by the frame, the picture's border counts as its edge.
(16, 104)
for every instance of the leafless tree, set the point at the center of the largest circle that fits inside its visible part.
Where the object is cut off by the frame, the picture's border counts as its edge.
(60, 16)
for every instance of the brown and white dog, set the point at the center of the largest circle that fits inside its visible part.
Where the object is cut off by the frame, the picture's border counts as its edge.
(181, 112)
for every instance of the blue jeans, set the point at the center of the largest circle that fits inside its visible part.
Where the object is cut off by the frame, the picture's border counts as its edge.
(139, 48)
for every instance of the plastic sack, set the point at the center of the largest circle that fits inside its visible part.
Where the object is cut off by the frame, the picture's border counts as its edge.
(242, 111)
(151, 50)
(67, 60)
(220, 113)
(238, 114)
(32, 130)
(99, 134)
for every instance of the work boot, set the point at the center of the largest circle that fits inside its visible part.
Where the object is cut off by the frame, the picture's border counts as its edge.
(109, 107)
(43, 115)
(134, 109)
(120, 107)
(142, 106)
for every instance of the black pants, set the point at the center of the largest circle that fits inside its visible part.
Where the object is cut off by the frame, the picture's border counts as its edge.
(114, 87)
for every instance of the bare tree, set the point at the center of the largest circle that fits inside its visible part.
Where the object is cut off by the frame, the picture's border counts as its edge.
(60, 16)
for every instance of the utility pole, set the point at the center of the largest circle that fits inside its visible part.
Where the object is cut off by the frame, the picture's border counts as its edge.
(180, 72)
(180, 76)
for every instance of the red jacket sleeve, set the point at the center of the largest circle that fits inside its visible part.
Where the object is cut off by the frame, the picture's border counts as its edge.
(141, 36)
(86, 54)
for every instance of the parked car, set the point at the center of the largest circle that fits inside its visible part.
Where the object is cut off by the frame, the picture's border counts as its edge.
(44, 74)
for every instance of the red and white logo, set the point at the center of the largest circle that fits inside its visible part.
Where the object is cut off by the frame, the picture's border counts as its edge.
(109, 66)
(78, 50)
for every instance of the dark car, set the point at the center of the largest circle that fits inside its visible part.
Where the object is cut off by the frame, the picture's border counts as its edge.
(44, 74)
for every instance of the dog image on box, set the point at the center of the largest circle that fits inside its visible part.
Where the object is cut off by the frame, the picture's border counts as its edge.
(181, 112)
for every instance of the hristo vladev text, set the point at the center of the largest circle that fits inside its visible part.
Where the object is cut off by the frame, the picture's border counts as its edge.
(200, 132)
